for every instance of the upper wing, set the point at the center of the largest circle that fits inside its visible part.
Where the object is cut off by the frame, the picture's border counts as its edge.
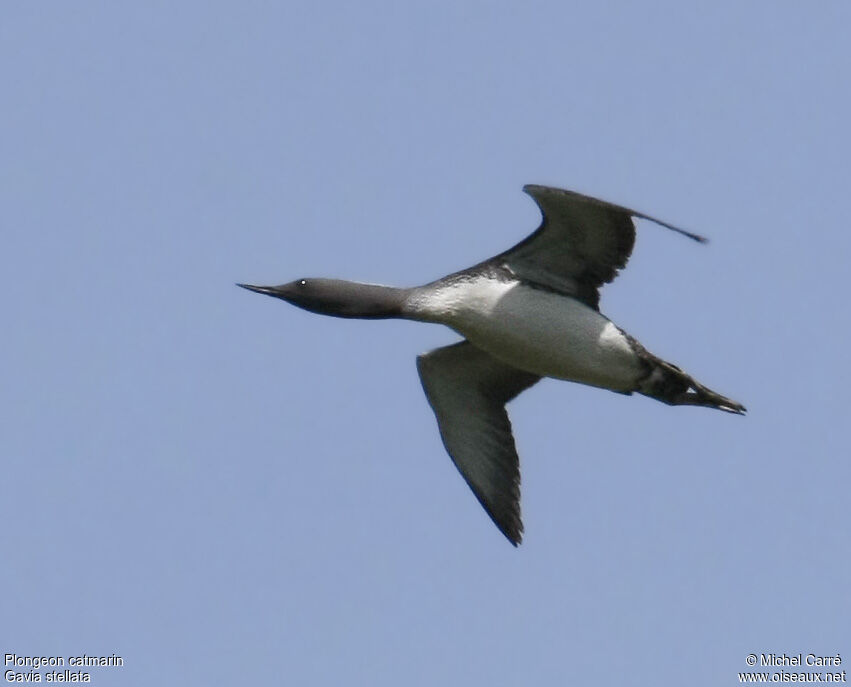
(581, 244)
(468, 390)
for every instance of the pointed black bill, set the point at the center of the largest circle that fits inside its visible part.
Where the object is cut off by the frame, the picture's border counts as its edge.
(267, 290)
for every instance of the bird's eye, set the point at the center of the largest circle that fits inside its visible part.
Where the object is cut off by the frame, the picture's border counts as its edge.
(302, 282)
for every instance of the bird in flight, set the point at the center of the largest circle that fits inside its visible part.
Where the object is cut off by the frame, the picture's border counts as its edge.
(527, 313)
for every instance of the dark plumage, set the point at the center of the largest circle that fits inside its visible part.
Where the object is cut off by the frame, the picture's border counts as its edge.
(529, 312)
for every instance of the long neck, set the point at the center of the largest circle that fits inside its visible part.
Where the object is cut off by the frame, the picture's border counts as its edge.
(368, 301)
(341, 298)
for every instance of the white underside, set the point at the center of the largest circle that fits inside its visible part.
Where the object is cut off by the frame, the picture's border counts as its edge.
(535, 330)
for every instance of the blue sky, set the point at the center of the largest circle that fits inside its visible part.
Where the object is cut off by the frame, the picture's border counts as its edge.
(224, 489)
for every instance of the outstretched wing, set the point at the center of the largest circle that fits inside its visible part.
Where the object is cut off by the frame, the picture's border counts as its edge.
(581, 244)
(468, 390)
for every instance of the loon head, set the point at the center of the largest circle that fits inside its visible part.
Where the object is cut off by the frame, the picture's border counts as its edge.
(338, 297)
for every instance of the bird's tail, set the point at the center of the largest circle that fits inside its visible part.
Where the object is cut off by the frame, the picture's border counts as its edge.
(668, 383)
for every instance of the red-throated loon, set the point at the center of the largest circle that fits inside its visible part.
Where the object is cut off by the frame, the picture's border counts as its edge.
(527, 313)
